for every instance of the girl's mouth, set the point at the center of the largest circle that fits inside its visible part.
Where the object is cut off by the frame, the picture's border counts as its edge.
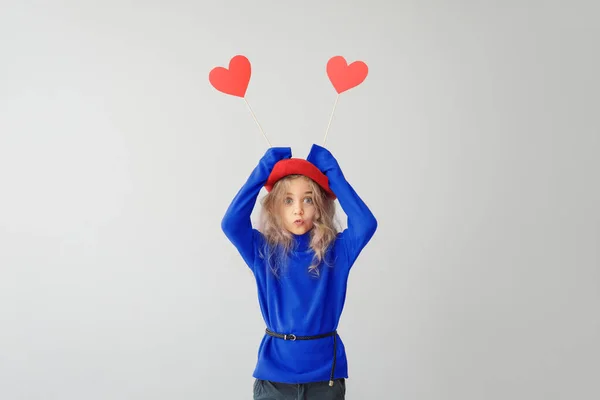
(298, 222)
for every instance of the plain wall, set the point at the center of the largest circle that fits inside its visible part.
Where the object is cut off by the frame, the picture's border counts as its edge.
(475, 141)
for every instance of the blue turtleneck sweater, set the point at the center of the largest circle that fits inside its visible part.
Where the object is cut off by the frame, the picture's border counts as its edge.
(295, 301)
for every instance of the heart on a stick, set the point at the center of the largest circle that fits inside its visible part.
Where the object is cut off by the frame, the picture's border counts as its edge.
(235, 79)
(343, 76)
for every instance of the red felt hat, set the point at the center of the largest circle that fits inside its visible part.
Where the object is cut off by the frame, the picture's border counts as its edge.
(298, 166)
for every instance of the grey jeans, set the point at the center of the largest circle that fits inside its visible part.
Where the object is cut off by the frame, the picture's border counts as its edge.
(267, 390)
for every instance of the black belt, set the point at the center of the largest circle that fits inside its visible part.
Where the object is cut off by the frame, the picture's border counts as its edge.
(293, 338)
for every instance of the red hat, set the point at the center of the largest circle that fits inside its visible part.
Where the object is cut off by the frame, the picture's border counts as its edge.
(298, 166)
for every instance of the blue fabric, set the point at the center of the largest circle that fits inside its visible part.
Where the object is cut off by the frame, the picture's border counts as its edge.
(298, 302)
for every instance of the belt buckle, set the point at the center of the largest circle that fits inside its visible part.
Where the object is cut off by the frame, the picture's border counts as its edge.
(291, 337)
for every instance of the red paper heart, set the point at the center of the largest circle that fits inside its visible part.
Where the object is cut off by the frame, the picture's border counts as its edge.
(233, 81)
(344, 76)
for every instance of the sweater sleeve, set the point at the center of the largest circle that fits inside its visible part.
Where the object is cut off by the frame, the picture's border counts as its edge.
(236, 223)
(362, 224)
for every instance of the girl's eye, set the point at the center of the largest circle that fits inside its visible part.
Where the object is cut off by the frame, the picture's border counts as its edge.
(288, 200)
(309, 200)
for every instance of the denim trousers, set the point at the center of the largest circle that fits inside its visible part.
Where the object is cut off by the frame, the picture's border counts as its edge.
(268, 390)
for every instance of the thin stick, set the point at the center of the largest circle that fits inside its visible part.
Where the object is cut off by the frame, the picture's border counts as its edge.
(330, 118)
(256, 120)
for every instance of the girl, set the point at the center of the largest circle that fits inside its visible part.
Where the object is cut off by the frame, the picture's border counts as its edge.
(301, 266)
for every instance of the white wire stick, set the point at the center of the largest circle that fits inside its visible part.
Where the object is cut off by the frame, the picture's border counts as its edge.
(256, 120)
(330, 118)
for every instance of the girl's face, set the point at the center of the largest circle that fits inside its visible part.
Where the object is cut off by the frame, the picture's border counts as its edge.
(297, 207)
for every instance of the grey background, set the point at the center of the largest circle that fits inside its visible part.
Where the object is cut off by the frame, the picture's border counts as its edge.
(474, 140)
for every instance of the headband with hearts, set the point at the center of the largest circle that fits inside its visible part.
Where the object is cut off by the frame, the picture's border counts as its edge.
(234, 80)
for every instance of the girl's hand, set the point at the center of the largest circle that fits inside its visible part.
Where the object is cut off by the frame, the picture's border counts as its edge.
(275, 154)
(322, 158)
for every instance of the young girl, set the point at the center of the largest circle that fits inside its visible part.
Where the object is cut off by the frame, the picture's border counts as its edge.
(301, 266)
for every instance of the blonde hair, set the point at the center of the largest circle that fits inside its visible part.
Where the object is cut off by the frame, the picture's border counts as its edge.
(279, 241)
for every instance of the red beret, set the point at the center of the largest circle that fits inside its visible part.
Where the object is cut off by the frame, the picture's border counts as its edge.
(298, 166)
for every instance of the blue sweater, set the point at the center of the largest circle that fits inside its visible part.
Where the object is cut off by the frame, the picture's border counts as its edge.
(297, 302)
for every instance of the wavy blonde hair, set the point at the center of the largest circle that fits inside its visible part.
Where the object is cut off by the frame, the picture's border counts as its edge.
(279, 241)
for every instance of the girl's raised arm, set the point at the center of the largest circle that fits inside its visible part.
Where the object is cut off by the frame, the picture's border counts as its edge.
(361, 221)
(236, 223)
